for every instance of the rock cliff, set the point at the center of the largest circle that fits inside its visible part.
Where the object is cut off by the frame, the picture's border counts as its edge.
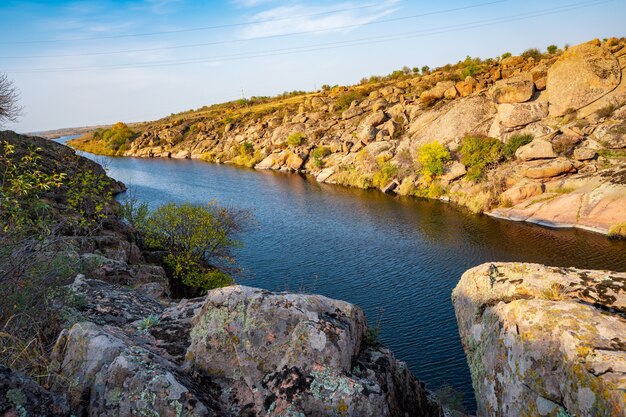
(543, 341)
(571, 103)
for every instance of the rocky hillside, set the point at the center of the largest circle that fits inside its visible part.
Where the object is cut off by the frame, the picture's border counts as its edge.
(559, 120)
(125, 348)
(544, 341)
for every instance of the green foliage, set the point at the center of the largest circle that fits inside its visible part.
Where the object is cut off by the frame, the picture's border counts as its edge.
(87, 197)
(319, 154)
(199, 239)
(118, 136)
(431, 158)
(295, 139)
(148, 322)
(478, 153)
(552, 49)
(22, 186)
(506, 55)
(515, 142)
(425, 69)
(471, 66)
(135, 213)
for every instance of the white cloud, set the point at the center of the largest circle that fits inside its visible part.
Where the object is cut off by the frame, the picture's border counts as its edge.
(303, 18)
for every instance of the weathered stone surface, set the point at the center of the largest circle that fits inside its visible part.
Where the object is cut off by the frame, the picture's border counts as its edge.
(549, 169)
(296, 354)
(594, 203)
(105, 303)
(454, 121)
(544, 341)
(521, 114)
(521, 192)
(325, 174)
(584, 154)
(21, 396)
(513, 90)
(438, 91)
(454, 171)
(105, 375)
(583, 74)
(612, 134)
(537, 149)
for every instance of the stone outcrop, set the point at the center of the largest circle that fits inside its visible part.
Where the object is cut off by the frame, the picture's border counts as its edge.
(581, 76)
(544, 341)
(537, 149)
(239, 351)
(513, 90)
(21, 396)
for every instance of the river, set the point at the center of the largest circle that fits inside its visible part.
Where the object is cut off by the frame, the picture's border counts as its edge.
(397, 258)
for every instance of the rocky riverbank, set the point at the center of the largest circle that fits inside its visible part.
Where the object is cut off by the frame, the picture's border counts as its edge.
(560, 120)
(125, 348)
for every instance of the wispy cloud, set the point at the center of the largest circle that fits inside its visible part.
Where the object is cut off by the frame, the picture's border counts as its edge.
(283, 19)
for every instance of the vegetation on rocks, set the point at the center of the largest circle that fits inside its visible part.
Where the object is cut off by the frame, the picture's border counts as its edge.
(199, 241)
(431, 158)
(479, 153)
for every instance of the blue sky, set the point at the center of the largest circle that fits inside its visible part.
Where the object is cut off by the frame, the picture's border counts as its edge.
(80, 63)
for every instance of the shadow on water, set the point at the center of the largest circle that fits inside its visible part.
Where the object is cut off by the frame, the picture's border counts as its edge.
(399, 254)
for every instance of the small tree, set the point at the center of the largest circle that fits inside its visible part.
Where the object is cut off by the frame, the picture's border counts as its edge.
(9, 108)
(552, 49)
(200, 240)
(425, 69)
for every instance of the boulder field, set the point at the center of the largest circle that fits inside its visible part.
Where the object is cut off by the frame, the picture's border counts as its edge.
(544, 341)
(571, 103)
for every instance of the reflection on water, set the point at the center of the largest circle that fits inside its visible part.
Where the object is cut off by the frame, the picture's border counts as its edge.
(398, 254)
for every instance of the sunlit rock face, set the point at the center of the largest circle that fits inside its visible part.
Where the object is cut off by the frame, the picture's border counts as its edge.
(544, 341)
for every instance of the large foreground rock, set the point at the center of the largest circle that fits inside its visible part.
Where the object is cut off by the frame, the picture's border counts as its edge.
(544, 341)
(238, 352)
(295, 354)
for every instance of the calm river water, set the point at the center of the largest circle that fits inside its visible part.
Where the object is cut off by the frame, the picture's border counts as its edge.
(397, 258)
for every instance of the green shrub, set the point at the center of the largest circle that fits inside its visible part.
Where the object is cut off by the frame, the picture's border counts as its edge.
(199, 239)
(506, 55)
(552, 49)
(478, 153)
(515, 142)
(319, 154)
(295, 139)
(431, 158)
(425, 69)
(532, 53)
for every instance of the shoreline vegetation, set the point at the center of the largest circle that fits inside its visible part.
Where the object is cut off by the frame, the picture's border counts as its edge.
(491, 135)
